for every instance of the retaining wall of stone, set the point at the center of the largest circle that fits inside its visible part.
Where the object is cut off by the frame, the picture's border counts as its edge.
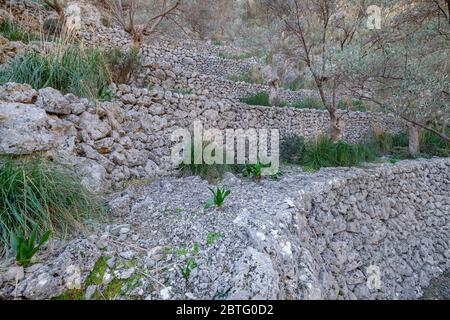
(130, 138)
(381, 232)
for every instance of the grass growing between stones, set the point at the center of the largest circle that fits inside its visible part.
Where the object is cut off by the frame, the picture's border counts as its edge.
(210, 172)
(257, 99)
(43, 194)
(324, 152)
(14, 32)
(85, 72)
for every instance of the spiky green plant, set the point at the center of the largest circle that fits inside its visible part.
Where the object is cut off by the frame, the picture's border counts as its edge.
(38, 193)
(210, 172)
(25, 248)
(219, 196)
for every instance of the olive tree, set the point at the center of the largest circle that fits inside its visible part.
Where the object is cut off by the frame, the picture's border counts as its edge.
(318, 32)
(140, 18)
(404, 67)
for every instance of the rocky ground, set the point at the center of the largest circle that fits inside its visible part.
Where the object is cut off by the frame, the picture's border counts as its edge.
(159, 242)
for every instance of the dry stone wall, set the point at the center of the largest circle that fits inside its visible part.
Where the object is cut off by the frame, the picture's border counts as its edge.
(130, 138)
(389, 225)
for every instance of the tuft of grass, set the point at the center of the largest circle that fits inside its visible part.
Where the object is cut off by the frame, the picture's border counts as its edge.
(434, 145)
(14, 32)
(45, 195)
(327, 153)
(210, 172)
(85, 72)
(257, 99)
(294, 85)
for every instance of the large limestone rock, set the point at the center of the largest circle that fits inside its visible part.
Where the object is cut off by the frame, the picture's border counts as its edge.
(24, 129)
(94, 176)
(17, 92)
(53, 101)
(55, 273)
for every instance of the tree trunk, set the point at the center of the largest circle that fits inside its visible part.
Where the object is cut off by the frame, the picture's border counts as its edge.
(138, 38)
(335, 130)
(414, 144)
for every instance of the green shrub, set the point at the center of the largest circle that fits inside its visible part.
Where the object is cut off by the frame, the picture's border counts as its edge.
(257, 99)
(83, 72)
(294, 85)
(308, 103)
(292, 149)
(14, 32)
(43, 194)
(386, 143)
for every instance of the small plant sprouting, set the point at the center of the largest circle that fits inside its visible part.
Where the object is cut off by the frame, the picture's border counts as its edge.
(219, 196)
(25, 248)
(187, 269)
(212, 237)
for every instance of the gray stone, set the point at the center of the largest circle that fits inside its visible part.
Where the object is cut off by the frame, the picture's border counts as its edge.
(53, 101)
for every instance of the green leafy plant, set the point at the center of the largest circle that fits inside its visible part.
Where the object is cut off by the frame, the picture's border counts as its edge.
(253, 170)
(49, 196)
(187, 268)
(122, 64)
(219, 196)
(25, 248)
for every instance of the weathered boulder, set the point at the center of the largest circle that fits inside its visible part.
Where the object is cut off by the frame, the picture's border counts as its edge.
(24, 129)
(66, 270)
(94, 175)
(17, 92)
(96, 128)
(53, 101)
(254, 277)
